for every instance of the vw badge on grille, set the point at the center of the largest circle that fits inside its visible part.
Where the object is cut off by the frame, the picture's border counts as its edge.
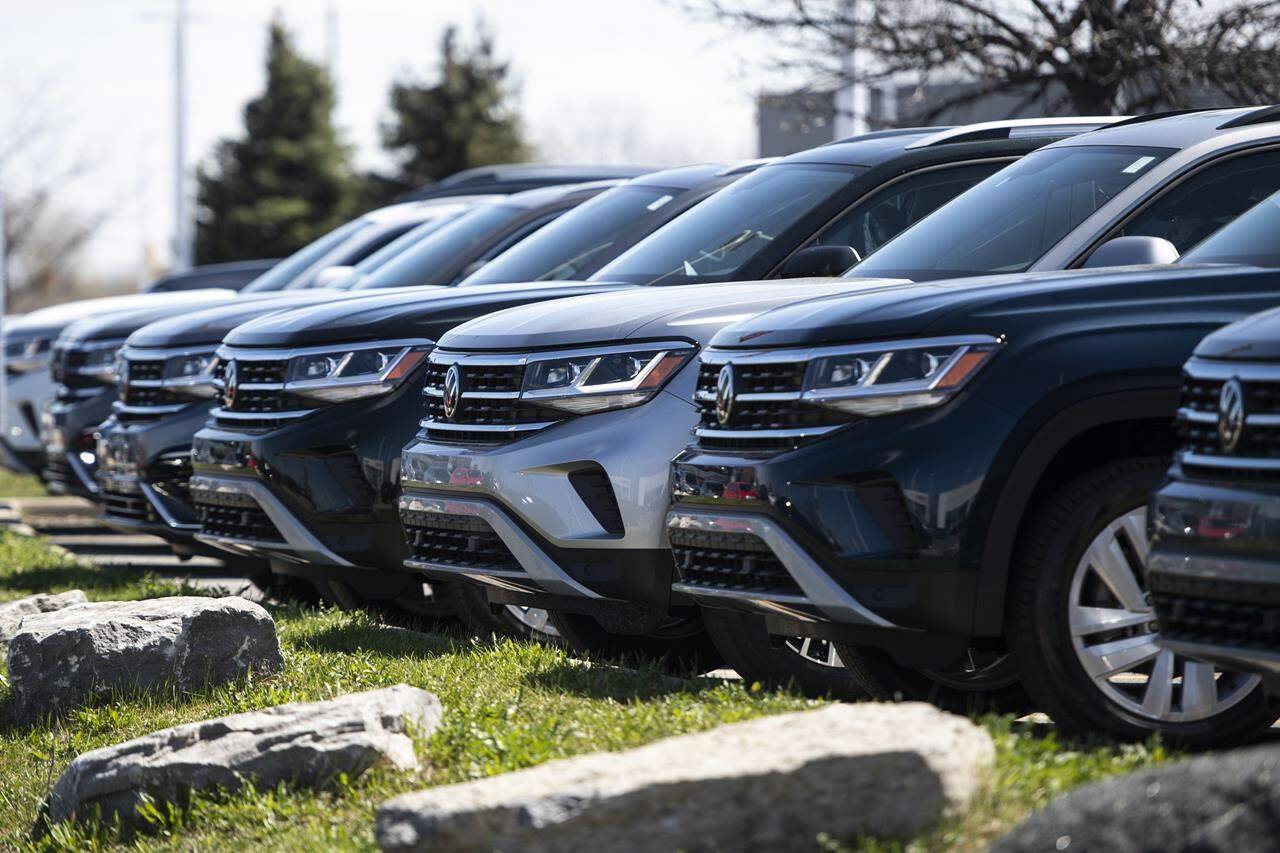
(229, 385)
(724, 394)
(452, 390)
(1231, 414)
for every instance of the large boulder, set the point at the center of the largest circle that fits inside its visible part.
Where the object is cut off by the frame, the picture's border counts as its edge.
(768, 784)
(67, 657)
(12, 612)
(1226, 802)
(300, 743)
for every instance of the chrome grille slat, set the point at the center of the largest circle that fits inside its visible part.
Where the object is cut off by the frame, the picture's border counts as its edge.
(489, 409)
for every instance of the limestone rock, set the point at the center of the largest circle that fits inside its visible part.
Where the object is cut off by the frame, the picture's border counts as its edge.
(66, 657)
(11, 612)
(768, 784)
(302, 743)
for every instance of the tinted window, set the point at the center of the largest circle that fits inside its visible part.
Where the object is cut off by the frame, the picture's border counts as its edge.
(421, 263)
(579, 240)
(1208, 200)
(1254, 239)
(879, 218)
(369, 242)
(1008, 221)
(722, 234)
(372, 261)
(300, 261)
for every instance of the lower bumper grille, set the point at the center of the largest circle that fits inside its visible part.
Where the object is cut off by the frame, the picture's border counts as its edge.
(57, 471)
(1217, 611)
(234, 516)
(131, 506)
(455, 540)
(741, 562)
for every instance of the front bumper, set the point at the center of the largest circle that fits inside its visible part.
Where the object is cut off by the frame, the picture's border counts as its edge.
(1214, 570)
(869, 535)
(144, 473)
(578, 509)
(68, 429)
(26, 395)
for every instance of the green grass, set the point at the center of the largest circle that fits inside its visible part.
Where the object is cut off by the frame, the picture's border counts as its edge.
(508, 705)
(19, 485)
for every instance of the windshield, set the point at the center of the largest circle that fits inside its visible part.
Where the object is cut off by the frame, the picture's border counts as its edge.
(582, 239)
(1253, 238)
(279, 276)
(393, 249)
(722, 234)
(421, 262)
(1008, 221)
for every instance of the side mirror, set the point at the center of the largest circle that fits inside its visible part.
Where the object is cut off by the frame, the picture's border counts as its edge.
(329, 276)
(1132, 251)
(819, 260)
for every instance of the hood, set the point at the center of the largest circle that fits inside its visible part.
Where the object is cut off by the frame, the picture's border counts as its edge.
(688, 311)
(210, 326)
(60, 316)
(117, 325)
(980, 305)
(1255, 338)
(414, 312)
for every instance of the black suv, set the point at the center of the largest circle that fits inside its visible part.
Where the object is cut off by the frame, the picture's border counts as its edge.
(960, 505)
(1214, 569)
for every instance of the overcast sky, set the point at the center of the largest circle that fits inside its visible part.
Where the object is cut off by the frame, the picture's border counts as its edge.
(603, 81)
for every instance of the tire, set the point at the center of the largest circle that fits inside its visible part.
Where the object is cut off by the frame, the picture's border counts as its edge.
(1084, 551)
(415, 608)
(985, 682)
(681, 647)
(483, 619)
(747, 647)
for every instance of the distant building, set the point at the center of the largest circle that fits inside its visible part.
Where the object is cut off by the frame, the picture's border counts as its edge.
(786, 123)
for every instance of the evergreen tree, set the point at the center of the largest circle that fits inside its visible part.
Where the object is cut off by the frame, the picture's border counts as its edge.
(287, 180)
(463, 119)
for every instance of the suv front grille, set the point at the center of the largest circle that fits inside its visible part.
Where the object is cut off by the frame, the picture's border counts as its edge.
(740, 562)
(1258, 445)
(489, 410)
(455, 540)
(259, 401)
(766, 414)
(234, 516)
(132, 506)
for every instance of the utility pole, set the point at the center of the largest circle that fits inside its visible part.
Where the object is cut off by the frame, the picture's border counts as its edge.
(181, 204)
(331, 40)
(851, 101)
(4, 342)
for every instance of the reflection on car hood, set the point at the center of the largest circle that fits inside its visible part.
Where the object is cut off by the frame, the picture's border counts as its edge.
(691, 311)
(118, 325)
(426, 312)
(58, 316)
(1255, 338)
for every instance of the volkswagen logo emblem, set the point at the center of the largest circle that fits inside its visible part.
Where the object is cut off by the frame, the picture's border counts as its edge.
(1231, 417)
(452, 390)
(724, 394)
(229, 385)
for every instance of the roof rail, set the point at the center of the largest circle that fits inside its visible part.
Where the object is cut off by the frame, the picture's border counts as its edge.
(746, 166)
(1010, 128)
(1261, 115)
(1165, 114)
(891, 131)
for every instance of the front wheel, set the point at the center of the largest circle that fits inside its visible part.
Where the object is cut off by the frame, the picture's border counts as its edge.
(418, 603)
(984, 680)
(1083, 630)
(812, 667)
(502, 620)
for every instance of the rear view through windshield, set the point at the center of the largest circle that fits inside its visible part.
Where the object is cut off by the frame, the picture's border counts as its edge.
(722, 234)
(1007, 222)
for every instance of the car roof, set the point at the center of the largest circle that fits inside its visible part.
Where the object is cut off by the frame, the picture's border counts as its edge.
(530, 199)
(516, 177)
(681, 177)
(1181, 130)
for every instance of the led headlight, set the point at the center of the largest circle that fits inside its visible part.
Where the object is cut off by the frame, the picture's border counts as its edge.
(349, 373)
(100, 361)
(603, 378)
(880, 379)
(25, 356)
(192, 374)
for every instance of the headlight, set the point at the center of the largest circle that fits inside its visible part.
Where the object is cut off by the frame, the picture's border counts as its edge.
(29, 355)
(880, 379)
(191, 374)
(98, 360)
(354, 372)
(596, 380)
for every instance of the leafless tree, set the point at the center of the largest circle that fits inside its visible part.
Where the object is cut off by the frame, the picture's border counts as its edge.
(44, 234)
(1080, 56)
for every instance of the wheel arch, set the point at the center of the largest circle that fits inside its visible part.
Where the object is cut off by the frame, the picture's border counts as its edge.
(1063, 436)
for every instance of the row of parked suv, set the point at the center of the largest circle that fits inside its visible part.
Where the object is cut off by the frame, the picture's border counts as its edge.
(882, 418)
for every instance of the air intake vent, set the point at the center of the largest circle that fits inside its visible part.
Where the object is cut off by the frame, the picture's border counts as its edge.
(592, 485)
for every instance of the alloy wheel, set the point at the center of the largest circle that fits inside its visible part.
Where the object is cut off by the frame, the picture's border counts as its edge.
(533, 618)
(1114, 634)
(820, 652)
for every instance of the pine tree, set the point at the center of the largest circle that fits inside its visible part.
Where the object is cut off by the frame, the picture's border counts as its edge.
(463, 119)
(287, 180)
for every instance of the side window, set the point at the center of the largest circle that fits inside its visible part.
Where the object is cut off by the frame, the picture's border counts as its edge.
(880, 217)
(1209, 199)
(519, 234)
